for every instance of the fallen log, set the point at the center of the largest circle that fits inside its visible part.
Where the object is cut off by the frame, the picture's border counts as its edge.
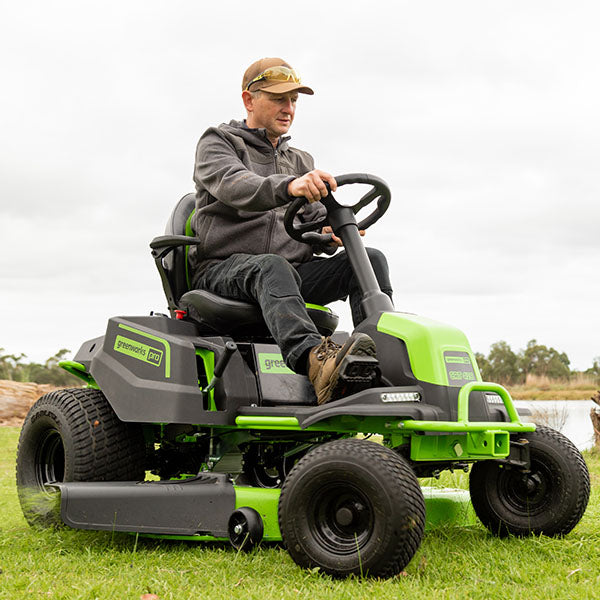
(16, 398)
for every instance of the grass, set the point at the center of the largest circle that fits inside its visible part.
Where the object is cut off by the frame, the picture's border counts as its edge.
(452, 563)
(579, 387)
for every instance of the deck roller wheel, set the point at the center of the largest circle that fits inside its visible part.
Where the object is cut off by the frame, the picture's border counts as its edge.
(245, 528)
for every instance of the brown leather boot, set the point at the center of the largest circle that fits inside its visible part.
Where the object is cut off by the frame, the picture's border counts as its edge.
(326, 362)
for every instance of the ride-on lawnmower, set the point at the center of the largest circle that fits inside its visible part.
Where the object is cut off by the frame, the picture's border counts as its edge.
(191, 426)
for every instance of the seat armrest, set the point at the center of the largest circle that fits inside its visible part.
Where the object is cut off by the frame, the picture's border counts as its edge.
(161, 247)
(172, 241)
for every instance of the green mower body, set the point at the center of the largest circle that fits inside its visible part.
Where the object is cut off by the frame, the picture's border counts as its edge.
(191, 426)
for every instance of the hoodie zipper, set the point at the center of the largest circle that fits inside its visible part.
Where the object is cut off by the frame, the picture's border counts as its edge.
(273, 216)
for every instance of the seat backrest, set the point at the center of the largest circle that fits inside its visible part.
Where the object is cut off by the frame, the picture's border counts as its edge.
(175, 263)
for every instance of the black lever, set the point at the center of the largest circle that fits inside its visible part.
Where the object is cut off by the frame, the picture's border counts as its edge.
(230, 348)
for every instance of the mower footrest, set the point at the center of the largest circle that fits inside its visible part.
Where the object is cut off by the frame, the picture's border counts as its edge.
(358, 369)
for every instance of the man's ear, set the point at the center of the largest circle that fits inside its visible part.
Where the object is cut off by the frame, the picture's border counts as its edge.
(248, 101)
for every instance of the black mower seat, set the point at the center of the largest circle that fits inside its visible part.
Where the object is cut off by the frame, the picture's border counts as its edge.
(228, 316)
(214, 314)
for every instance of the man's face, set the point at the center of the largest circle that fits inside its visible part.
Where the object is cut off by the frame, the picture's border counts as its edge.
(274, 112)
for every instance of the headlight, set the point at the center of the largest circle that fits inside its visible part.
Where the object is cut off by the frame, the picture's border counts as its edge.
(401, 397)
(493, 398)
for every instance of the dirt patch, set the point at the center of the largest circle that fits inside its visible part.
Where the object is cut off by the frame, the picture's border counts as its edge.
(16, 398)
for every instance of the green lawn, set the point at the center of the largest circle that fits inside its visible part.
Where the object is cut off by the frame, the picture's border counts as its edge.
(452, 562)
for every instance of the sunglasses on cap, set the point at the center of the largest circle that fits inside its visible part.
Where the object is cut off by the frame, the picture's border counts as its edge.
(276, 74)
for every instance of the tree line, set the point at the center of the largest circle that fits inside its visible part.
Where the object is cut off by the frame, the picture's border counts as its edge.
(14, 367)
(505, 366)
(501, 365)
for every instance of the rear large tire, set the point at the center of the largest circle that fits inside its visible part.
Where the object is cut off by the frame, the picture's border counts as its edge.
(352, 507)
(549, 498)
(73, 435)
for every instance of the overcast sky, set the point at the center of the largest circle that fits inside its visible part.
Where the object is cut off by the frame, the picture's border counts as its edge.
(481, 116)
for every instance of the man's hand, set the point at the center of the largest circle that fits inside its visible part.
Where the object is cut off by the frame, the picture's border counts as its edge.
(312, 186)
(335, 240)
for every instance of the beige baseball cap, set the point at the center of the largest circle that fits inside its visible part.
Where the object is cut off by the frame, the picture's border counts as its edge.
(273, 75)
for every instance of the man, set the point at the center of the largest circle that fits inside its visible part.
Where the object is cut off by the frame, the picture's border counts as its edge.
(245, 175)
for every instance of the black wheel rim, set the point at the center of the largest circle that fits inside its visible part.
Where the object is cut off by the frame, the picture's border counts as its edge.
(267, 477)
(528, 493)
(50, 459)
(341, 518)
(266, 469)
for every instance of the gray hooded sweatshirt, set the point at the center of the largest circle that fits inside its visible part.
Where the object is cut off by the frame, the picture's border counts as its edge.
(241, 196)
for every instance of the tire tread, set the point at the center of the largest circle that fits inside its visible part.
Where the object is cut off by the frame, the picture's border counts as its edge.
(98, 446)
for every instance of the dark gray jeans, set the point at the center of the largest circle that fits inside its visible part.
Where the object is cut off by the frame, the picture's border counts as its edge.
(282, 290)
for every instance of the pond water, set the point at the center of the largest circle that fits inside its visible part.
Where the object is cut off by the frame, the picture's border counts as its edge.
(570, 417)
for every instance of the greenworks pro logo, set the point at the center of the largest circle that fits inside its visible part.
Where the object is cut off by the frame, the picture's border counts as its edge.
(138, 350)
(272, 363)
(458, 360)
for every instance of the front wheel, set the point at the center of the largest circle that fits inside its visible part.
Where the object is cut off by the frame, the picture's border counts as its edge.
(549, 498)
(352, 507)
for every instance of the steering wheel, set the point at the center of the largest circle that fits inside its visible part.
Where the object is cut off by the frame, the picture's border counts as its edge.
(307, 232)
